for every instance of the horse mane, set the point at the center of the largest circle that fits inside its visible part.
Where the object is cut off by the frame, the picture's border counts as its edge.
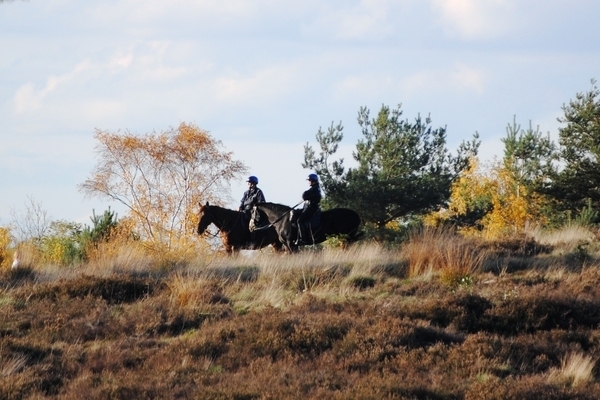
(220, 209)
(275, 207)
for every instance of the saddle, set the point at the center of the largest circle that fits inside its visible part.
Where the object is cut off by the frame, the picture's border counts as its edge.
(314, 221)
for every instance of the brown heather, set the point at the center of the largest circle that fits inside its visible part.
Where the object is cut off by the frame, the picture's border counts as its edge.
(439, 317)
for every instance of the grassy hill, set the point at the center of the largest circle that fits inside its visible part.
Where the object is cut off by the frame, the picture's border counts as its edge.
(439, 317)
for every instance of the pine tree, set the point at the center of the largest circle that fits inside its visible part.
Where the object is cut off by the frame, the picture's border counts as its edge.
(578, 181)
(404, 168)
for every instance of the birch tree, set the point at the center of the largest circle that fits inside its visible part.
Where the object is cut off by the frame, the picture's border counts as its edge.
(162, 177)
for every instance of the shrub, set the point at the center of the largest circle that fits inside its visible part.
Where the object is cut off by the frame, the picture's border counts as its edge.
(5, 242)
(362, 282)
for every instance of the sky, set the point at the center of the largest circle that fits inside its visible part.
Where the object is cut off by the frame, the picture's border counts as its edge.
(262, 76)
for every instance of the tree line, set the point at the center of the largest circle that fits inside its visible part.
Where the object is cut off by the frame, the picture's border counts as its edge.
(405, 175)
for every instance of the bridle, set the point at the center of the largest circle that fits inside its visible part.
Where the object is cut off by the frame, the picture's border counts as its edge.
(221, 222)
(278, 219)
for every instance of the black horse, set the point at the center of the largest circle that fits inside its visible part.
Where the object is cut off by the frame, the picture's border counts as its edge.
(337, 221)
(234, 231)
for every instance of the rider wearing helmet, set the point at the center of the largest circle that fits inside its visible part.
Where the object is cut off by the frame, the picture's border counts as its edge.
(312, 198)
(251, 196)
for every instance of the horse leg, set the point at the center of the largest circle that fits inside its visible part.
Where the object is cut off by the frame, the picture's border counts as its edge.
(288, 244)
(287, 237)
(291, 246)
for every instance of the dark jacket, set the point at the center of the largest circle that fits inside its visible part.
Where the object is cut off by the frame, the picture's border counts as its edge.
(251, 196)
(312, 198)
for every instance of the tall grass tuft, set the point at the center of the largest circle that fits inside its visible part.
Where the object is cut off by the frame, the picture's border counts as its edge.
(421, 250)
(461, 259)
(193, 289)
(576, 368)
(126, 257)
(565, 238)
(12, 365)
(440, 251)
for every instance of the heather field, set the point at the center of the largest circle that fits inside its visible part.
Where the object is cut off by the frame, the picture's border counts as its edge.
(436, 317)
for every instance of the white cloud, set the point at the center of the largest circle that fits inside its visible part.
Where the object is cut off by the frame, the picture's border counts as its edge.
(99, 109)
(458, 78)
(364, 87)
(216, 9)
(263, 85)
(467, 78)
(120, 61)
(172, 18)
(27, 98)
(367, 20)
(152, 63)
(275, 71)
(475, 19)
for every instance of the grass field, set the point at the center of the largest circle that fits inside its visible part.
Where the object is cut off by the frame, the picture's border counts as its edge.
(438, 317)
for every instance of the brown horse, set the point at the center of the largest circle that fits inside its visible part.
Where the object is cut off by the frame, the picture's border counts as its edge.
(234, 231)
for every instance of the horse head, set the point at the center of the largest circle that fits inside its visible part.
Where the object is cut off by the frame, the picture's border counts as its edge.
(205, 218)
(258, 218)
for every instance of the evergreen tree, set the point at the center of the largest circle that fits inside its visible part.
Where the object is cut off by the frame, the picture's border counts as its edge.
(528, 155)
(101, 229)
(404, 168)
(578, 181)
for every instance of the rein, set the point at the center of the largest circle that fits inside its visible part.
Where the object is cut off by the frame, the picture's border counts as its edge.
(221, 222)
(278, 219)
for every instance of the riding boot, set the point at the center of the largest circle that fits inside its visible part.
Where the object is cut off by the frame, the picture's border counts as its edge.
(299, 240)
(250, 244)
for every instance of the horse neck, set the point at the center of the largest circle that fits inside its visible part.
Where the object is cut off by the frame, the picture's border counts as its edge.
(273, 211)
(222, 216)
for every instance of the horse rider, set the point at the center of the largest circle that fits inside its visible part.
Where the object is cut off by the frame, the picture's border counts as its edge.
(251, 196)
(312, 198)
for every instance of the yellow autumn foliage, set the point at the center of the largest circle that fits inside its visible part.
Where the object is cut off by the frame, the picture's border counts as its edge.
(161, 178)
(5, 241)
(511, 205)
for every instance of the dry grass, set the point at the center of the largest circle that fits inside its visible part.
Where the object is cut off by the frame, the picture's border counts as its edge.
(13, 365)
(421, 251)
(575, 369)
(566, 237)
(28, 255)
(189, 290)
(579, 241)
(123, 258)
(365, 322)
(264, 279)
(439, 251)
